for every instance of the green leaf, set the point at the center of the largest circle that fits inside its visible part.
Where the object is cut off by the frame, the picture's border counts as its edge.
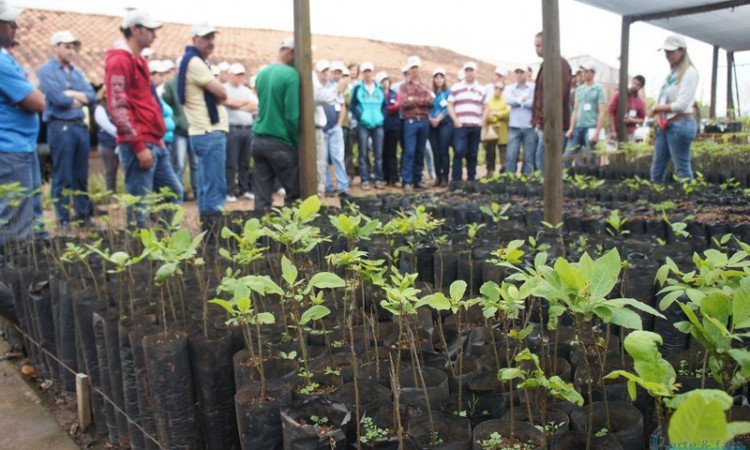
(605, 274)
(288, 271)
(119, 258)
(490, 290)
(740, 307)
(325, 280)
(626, 318)
(243, 305)
(181, 240)
(716, 305)
(510, 373)
(571, 276)
(698, 422)
(224, 304)
(457, 289)
(265, 318)
(263, 285)
(724, 399)
(315, 312)
(309, 207)
(166, 271)
(621, 302)
(437, 301)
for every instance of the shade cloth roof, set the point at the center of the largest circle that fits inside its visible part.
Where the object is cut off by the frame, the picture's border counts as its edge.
(726, 28)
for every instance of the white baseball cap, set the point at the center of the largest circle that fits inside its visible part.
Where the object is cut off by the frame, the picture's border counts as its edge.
(142, 18)
(413, 61)
(471, 65)
(499, 71)
(147, 52)
(380, 76)
(168, 64)
(224, 65)
(673, 42)
(287, 43)
(338, 65)
(64, 37)
(367, 65)
(156, 66)
(322, 65)
(214, 70)
(438, 70)
(8, 13)
(202, 29)
(236, 69)
(405, 69)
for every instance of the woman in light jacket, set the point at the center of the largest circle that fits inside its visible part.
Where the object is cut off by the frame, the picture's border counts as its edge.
(441, 127)
(673, 113)
(496, 115)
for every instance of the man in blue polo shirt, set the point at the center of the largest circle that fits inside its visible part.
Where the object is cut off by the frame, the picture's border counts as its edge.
(20, 105)
(67, 91)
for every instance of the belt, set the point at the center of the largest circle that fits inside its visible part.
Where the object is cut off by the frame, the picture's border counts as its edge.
(71, 122)
(241, 127)
(418, 118)
(680, 117)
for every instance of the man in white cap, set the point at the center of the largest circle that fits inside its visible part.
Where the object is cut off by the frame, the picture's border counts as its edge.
(20, 105)
(520, 97)
(276, 129)
(322, 96)
(241, 104)
(203, 95)
(67, 91)
(340, 76)
(587, 119)
(416, 100)
(169, 69)
(156, 68)
(224, 74)
(334, 112)
(466, 104)
(136, 112)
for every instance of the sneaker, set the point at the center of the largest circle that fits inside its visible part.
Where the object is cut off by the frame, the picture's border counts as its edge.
(231, 199)
(281, 191)
(408, 189)
(366, 186)
(420, 185)
(379, 185)
(345, 195)
(248, 196)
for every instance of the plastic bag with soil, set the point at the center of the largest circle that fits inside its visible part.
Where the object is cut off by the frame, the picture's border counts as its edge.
(444, 432)
(301, 432)
(171, 385)
(258, 418)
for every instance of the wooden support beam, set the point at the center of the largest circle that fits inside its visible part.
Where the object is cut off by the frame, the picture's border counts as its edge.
(553, 114)
(303, 62)
(730, 86)
(714, 78)
(622, 104)
(83, 399)
(729, 4)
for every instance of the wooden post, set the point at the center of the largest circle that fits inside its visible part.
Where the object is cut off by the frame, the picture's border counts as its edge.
(83, 399)
(730, 88)
(622, 104)
(714, 78)
(303, 62)
(553, 114)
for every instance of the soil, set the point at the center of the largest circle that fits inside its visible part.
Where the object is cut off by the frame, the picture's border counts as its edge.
(511, 443)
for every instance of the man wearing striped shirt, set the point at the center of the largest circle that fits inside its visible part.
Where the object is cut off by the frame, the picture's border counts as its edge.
(466, 104)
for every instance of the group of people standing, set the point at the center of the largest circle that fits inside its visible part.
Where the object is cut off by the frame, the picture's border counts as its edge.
(162, 117)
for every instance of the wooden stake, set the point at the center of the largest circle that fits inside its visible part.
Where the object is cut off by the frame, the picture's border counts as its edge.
(83, 398)
(303, 61)
(553, 114)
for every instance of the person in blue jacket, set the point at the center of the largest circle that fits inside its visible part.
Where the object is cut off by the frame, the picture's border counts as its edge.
(441, 127)
(369, 99)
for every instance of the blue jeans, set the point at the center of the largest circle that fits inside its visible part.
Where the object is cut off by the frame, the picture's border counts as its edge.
(676, 143)
(465, 145)
(578, 144)
(140, 182)
(335, 147)
(412, 158)
(440, 141)
(183, 153)
(540, 150)
(21, 212)
(516, 136)
(211, 150)
(429, 159)
(363, 135)
(69, 147)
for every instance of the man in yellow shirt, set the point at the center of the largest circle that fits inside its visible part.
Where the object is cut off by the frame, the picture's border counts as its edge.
(202, 95)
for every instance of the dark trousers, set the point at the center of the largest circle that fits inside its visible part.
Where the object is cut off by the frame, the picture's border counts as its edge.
(390, 156)
(491, 148)
(349, 151)
(440, 141)
(239, 141)
(111, 163)
(274, 159)
(69, 147)
(465, 145)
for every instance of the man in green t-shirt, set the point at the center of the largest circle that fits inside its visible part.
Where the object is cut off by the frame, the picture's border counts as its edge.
(587, 120)
(276, 128)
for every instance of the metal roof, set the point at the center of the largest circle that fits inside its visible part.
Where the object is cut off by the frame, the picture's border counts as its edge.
(719, 22)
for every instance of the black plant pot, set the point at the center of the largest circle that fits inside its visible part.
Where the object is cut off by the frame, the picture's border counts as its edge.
(301, 433)
(626, 421)
(522, 432)
(576, 440)
(258, 418)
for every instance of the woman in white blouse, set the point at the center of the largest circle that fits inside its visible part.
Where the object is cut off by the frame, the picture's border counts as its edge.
(673, 113)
